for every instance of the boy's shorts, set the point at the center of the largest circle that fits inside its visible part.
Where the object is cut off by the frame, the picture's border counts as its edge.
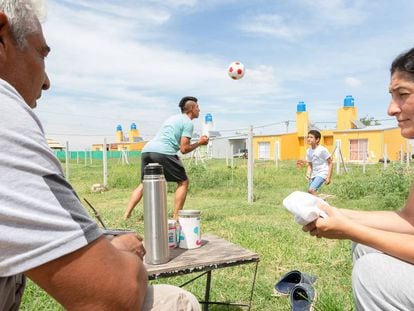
(316, 182)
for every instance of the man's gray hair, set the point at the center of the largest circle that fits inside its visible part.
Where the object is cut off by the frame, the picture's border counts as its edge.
(23, 16)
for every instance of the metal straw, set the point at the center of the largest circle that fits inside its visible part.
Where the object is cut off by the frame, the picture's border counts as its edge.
(96, 214)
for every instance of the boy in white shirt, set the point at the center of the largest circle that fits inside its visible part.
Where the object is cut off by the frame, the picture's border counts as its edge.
(319, 163)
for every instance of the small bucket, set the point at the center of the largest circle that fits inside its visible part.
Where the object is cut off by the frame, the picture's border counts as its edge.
(190, 231)
(172, 233)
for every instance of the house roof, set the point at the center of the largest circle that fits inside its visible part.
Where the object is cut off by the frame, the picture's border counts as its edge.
(368, 129)
(53, 144)
(275, 134)
(231, 137)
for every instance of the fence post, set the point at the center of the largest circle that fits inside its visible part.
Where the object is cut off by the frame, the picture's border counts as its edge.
(250, 164)
(227, 156)
(67, 160)
(277, 145)
(337, 156)
(105, 164)
(364, 160)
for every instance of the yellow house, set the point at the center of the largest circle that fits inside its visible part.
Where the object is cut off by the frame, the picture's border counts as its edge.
(132, 143)
(356, 142)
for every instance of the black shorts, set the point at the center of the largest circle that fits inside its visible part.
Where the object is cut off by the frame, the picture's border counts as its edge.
(173, 167)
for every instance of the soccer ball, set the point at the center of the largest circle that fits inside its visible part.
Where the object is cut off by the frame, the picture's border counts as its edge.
(236, 70)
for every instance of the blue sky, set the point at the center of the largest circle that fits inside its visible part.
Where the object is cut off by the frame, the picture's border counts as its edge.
(118, 62)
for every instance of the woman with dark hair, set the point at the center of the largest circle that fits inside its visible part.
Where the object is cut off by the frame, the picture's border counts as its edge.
(383, 248)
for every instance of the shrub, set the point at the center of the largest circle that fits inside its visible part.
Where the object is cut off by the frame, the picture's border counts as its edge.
(390, 186)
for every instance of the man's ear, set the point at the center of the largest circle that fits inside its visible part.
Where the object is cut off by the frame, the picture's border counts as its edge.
(4, 33)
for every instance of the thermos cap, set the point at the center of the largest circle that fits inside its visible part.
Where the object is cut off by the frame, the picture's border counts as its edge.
(189, 213)
(153, 169)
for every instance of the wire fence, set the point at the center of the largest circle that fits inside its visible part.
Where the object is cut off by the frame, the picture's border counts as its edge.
(96, 155)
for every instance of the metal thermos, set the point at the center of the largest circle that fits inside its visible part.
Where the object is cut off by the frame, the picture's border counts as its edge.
(155, 215)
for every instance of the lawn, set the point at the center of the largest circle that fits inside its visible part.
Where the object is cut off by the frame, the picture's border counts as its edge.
(265, 227)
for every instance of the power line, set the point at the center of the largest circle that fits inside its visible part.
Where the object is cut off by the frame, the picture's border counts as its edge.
(91, 135)
(86, 115)
(382, 120)
(272, 124)
(287, 122)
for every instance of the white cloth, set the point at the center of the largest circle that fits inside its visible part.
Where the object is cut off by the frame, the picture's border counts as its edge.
(304, 206)
(318, 157)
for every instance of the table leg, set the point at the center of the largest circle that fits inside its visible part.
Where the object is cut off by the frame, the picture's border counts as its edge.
(207, 293)
(254, 282)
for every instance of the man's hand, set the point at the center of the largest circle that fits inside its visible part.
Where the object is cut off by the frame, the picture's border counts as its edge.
(129, 242)
(327, 180)
(203, 140)
(186, 147)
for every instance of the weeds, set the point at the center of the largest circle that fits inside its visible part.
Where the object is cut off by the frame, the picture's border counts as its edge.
(265, 227)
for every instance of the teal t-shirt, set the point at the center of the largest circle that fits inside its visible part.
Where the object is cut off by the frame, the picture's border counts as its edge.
(167, 140)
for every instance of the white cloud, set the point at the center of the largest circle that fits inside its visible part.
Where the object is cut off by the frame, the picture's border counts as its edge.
(117, 63)
(339, 12)
(103, 16)
(352, 82)
(177, 3)
(272, 25)
(103, 72)
(321, 16)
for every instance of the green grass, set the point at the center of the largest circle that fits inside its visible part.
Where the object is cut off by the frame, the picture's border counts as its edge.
(265, 227)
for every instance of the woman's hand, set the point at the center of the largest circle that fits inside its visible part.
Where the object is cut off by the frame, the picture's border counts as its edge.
(335, 226)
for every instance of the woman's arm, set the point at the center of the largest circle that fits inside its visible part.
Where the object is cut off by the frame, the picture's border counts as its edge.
(395, 221)
(338, 226)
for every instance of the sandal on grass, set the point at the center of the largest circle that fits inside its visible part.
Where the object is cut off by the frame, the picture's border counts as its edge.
(302, 297)
(288, 281)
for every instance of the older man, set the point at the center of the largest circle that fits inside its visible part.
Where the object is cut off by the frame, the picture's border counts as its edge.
(45, 233)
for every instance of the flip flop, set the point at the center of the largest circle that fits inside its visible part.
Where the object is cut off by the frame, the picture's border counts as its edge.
(288, 281)
(302, 297)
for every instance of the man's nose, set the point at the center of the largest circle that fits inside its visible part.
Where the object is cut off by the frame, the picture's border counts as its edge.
(46, 83)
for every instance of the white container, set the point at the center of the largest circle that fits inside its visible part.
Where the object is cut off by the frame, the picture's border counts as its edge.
(190, 231)
(172, 233)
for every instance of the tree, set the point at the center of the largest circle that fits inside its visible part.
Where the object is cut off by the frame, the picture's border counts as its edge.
(369, 121)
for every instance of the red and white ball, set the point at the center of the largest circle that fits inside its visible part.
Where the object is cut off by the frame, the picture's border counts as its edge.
(236, 70)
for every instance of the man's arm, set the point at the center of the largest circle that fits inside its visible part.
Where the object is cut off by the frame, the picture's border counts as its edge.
(96, 277)
(186, 147)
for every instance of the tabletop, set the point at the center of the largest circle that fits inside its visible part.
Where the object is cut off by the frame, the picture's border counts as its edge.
(214, 253)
